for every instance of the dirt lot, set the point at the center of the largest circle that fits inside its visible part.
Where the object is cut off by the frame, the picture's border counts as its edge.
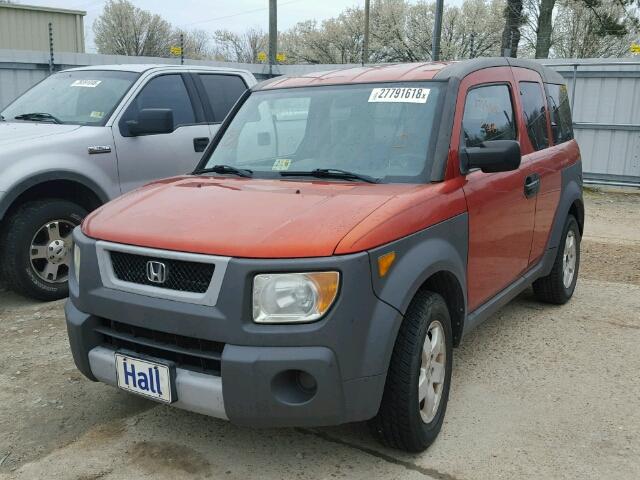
(538, 392)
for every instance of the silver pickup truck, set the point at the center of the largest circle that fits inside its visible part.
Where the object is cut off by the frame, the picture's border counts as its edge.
(84, 136)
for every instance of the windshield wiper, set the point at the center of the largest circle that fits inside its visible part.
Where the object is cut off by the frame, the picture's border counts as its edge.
(241, 172)
(38, 117)
(331, 173)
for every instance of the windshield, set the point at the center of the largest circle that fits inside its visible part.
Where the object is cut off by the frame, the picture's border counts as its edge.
(85, 97)
(379, 130)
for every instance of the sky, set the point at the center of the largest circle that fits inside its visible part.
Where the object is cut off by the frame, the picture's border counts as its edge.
(211, 15)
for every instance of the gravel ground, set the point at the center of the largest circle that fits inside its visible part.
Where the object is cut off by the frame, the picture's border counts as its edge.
(538, 392)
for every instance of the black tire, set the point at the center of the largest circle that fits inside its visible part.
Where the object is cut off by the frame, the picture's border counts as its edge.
(399, 423)
(17, 236)
(551, 289)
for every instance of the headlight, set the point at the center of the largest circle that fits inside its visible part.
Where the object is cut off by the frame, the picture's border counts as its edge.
(76, 263)
(293, 297)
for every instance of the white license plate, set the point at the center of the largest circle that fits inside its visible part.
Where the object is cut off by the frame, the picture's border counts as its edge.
(143, 377)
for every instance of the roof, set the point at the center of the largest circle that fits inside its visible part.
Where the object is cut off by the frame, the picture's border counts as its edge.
(143, 67)
(407, 72)
(38, 8)
(367, 74)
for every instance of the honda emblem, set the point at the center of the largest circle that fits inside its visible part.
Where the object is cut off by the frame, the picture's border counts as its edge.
(156, 272)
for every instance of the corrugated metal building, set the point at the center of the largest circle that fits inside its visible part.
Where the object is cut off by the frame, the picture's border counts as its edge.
(26, 27)
(604, 92)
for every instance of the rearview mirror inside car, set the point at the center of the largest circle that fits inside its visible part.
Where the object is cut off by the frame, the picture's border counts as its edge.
(151, 121)
(491, 156)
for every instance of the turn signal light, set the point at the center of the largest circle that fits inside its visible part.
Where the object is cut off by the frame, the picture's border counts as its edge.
(384, 263)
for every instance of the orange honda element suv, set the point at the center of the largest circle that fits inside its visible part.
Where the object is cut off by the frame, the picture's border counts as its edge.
(342, 233)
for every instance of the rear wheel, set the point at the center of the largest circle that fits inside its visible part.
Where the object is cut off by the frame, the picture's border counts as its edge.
(417, 388)
(558, 286)
(38, 248)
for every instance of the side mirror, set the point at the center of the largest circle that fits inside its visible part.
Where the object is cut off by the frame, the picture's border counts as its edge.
(491, 156)
(151, 121)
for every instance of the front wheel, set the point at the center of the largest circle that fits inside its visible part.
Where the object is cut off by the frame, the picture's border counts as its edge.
(417, 388)
(38, 248)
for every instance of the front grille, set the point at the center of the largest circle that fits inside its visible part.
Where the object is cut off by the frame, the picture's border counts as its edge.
(181, 275)
(187, 352)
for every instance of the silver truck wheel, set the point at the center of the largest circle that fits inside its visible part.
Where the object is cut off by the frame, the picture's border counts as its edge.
(36, 247)
(50, 251)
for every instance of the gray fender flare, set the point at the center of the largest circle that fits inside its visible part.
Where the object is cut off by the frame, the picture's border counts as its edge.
(440, 248)
(571, 191)
(18, 189)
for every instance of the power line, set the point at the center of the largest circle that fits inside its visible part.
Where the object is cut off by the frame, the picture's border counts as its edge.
(262, 9)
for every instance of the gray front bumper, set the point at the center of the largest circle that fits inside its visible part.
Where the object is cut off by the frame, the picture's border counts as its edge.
(347, 352)
(196, 391)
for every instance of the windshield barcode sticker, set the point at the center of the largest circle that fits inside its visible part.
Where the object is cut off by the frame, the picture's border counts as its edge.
(400, 94)
(86, 83)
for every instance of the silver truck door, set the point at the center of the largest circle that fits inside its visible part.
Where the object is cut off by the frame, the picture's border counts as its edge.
(147, 157)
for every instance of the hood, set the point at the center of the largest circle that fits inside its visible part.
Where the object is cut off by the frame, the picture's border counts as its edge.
(252, 218)
(17, 132)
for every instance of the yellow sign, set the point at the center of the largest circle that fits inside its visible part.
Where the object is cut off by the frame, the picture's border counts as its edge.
(280, 57)
(176, 51)
(635, 48)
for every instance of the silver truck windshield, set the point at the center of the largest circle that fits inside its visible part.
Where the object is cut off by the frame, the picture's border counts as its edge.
(84, 97)
(382, 131)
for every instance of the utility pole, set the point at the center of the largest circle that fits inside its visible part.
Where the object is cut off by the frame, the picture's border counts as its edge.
(273, 33)
(437, 31)
(365, 42)
(182, 49)
(51, 60)
(472, 42)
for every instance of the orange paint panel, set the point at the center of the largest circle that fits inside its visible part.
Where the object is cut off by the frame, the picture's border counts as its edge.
(405, 214)
(241, 217)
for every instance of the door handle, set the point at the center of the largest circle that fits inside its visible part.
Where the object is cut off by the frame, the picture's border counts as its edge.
(200, 143)
(531, 185)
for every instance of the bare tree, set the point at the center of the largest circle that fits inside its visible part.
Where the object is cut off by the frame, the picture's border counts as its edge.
(197, 43)
(124, 29)
(511, 32)
(400, 32)
(543, 32)
(578, 31)
(234, 47)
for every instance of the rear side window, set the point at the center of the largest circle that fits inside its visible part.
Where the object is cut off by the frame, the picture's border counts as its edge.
(223, 91)
(165, 91)
(535, 114)
(488, 115)
(561, 123)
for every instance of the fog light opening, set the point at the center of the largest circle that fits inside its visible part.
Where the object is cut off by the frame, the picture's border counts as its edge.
(294, 387)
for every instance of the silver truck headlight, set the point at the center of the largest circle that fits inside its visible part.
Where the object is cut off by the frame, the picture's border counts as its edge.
(76, 263)
(293, 297)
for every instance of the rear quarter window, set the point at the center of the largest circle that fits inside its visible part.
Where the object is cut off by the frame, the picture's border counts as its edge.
(488, 115)
(561, 122)
(535, 113)
(222, 91)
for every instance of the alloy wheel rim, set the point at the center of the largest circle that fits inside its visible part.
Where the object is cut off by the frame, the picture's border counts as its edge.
(432, 372)
(569, 259)
(50, 251)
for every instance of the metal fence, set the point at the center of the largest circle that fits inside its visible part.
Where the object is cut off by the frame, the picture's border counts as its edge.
(605, 100)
